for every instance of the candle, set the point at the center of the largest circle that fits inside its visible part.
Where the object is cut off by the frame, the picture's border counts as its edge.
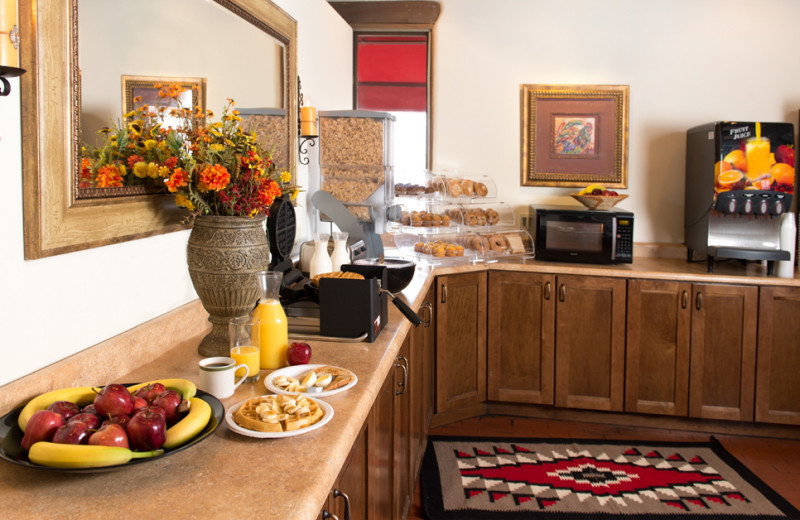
(308, 121)
(8, 20)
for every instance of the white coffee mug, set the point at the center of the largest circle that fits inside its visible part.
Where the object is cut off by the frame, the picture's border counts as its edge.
(218, 376)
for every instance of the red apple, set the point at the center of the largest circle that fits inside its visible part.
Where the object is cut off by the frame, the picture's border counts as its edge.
(139, 402)
(785, 154)
(111, 434)
(169, 400)
(91, 420)
(146, 430)
(151, 391)
(122, 420)
(113, 399)
(75, 432)
(299, 353)
(41, 427)
(90, 409)
(67, 409)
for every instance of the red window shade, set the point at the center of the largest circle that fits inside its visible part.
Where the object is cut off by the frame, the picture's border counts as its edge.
(392, 72)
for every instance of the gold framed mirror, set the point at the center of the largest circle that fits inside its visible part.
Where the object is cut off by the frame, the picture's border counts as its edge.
(57, 220)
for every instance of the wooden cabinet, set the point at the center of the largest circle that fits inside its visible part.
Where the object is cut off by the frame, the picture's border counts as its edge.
(403, 478)
(657, 352)
(521, 332)
(460, 341)
(349, 497)
(723, 351)
(590, 342)
(777, 381)
(380, 452)
(421, 381)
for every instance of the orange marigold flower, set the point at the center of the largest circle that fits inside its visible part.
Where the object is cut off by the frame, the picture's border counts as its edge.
(133, 159)
(214, 177)
(108, 176)
(178, 179)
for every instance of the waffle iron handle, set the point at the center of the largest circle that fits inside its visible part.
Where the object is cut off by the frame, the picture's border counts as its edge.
(406, 310)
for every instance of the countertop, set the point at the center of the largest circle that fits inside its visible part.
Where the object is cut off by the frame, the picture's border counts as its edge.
(228, 475)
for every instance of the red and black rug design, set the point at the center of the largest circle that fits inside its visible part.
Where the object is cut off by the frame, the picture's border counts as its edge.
(483, 478)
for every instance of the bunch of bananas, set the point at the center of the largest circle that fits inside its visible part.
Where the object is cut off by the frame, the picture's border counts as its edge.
(87, 456)
(589, 190)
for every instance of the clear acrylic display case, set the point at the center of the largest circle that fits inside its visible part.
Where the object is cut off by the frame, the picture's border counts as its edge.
(469, 188)
(484, 216)
(464, 247)
(425, 217)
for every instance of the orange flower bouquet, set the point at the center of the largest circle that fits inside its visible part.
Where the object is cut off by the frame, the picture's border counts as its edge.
(213, 168)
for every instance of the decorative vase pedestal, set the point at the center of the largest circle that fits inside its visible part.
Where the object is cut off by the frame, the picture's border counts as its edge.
(223, 255)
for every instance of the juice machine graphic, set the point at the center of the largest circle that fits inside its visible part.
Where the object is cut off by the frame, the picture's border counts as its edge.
(739, 181)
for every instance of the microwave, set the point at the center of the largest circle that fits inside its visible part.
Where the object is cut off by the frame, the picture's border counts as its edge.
(569, 234)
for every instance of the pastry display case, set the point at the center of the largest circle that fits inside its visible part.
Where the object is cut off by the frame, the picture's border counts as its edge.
(465, 247)
(462, 188)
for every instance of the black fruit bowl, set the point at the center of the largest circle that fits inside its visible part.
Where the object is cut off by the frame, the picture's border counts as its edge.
(399, 271)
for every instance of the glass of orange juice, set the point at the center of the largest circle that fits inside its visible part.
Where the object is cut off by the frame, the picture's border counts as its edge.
(244, 349)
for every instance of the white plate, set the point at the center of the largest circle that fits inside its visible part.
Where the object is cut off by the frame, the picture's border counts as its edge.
(297, 371)
(327, 416)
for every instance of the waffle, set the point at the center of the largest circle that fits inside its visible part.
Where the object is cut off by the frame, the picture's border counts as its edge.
(277, 413)
(337, 274)
(341, 377)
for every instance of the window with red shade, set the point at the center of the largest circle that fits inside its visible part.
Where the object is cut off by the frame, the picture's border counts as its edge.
(392, 72)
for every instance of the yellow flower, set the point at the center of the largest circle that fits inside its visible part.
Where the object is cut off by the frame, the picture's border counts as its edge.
(130, 114)
(286, 176)
(182, 201)
(152, 170)
(294, 194)
(163, 171)
(216, 147)
(122, 170)
(150, 144)
(140, 169)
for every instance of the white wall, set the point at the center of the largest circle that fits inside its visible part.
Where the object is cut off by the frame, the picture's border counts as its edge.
(54, 307)
(687, 62)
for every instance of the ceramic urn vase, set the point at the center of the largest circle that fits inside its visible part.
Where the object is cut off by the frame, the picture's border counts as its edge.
(223, 254)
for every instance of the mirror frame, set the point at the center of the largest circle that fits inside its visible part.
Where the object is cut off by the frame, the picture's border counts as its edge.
(54, 221)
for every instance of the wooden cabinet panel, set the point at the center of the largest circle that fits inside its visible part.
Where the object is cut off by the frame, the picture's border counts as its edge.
(590, 342)
(460, 341)
(521, 335)
(777, 381)
(421, 380)
(723, 350)
(657, 351)
(349, 496)
(381, 452)
(402, 433)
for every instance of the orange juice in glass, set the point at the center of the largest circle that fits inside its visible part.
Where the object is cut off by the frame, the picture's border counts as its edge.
(273, 329)
(757, 152)
(245, 350)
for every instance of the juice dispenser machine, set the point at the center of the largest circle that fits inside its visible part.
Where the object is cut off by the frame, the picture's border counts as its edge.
(739, 181)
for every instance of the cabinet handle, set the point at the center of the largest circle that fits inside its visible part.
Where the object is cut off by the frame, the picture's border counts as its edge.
(402, 384)
(547, 291)
(326, 515)
(337, 494)
(698, 301)
(444, 293)
(562, 292)
(684, 300)
(427, 306)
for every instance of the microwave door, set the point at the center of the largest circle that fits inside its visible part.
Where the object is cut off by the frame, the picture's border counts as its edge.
(576, 238)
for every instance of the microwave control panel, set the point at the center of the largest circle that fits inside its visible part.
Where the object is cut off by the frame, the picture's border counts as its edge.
(624, 246)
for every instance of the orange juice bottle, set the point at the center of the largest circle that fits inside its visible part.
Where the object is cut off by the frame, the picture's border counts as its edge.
(273, 329)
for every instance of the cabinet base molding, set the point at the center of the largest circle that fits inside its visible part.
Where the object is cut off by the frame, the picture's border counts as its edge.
(710, 426)
(451, 416)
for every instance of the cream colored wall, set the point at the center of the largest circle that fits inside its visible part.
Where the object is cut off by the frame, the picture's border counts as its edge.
(55, 307)
(687, 62)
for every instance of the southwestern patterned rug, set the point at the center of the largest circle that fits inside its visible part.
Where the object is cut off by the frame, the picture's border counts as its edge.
(505, 479)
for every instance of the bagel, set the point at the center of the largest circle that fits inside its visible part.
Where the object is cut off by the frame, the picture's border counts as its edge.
(467, 187)
(480, 189)
(498, 243)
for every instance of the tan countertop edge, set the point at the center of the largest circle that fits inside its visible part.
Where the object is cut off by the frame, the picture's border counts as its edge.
(230, 475)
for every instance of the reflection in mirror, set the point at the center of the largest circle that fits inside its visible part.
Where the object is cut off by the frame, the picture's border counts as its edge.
(179, 42)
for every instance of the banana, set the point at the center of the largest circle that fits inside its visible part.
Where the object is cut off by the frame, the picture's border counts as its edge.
(83, 455)
(192, 424)
(78, 395)
(590, 188)
(183, 386)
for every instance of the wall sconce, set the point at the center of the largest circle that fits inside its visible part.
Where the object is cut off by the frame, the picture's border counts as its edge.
(307, 123)
(9, 45)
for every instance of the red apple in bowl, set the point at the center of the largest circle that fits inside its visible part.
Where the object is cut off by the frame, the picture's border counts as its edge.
(75, 432)
(169, 400)
(41, 427)
(151, 391)
(67, 409)
(113, 399)
(91, 420)
(111, 434)
(299, 353)
(147, 430)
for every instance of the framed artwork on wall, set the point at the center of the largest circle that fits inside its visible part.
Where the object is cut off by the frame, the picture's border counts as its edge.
(143, 90)
(573, 135)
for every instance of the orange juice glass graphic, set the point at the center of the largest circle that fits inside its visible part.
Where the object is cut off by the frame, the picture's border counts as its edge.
(757, 151)
(272, 329)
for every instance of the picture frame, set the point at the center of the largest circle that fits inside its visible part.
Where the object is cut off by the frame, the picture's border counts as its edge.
(145, 87)
(574, 135)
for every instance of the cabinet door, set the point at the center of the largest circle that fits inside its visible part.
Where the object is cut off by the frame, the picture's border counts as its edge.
(429, 341)
(723, 351)
(521, 337)
(460, 341)
(348, 498)
(590, 342)
(657, 352)
(421, 385)
(777, 381)
(402, 432)
(381, 452)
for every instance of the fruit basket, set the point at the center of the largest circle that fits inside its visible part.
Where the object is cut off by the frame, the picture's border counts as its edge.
(599, 202)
